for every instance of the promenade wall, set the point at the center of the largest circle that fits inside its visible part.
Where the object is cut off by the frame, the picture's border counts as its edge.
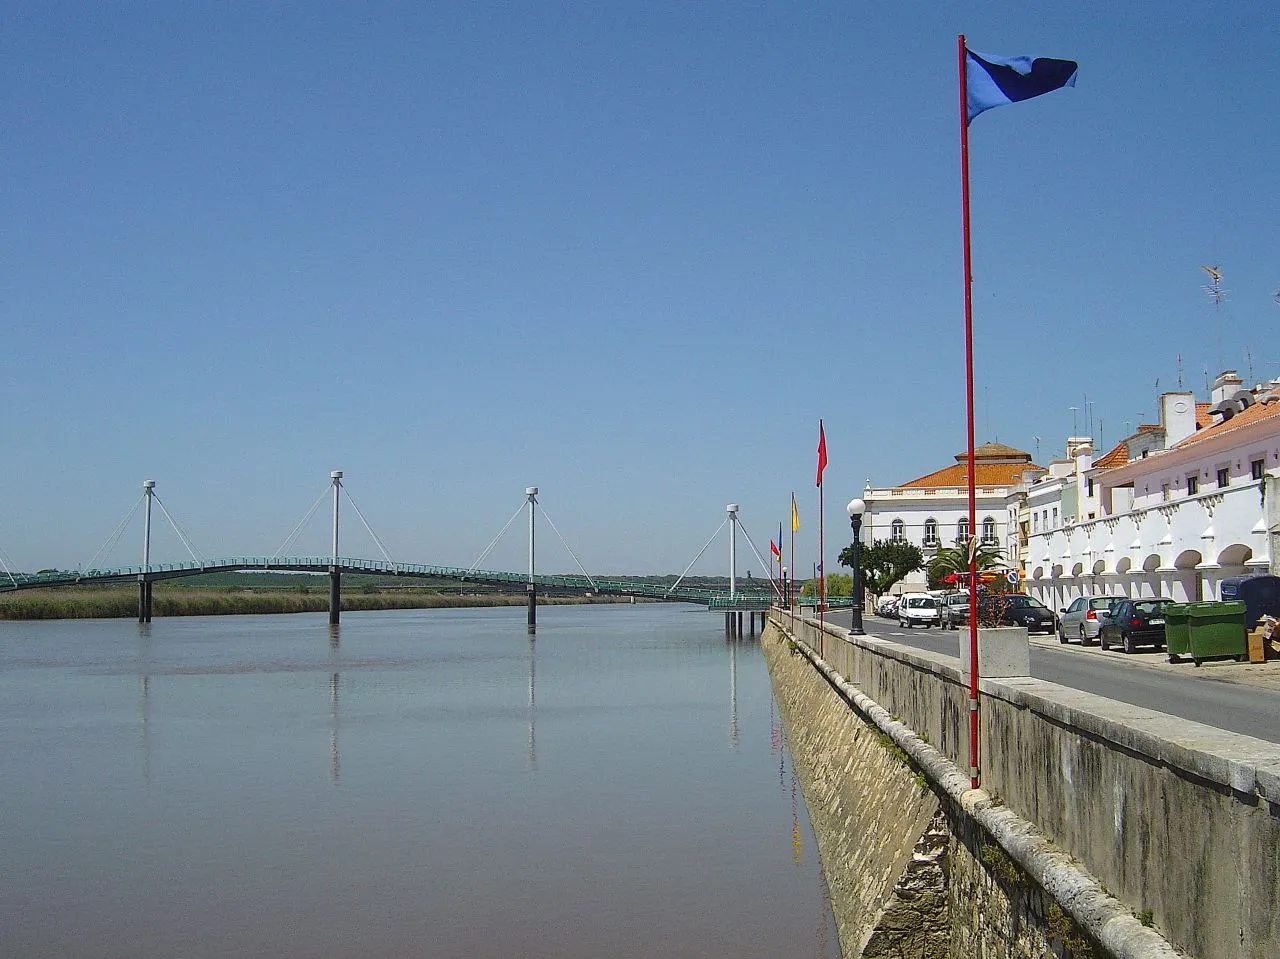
(1101, 828)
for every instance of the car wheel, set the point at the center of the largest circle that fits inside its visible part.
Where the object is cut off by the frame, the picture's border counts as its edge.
(1084, 640)
(1061, 637)
(1129, 646)
(1103, 641)
(903, 624)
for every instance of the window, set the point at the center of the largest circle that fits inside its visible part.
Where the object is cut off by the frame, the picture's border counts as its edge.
(1164, 492)
(898, 531)
(1055, 517)
(989, 530)
(931, 532)
(1193, 485)
(1035, 522)
(1224, 476)
(1256, 468)
(962, 531)
(1088, 486)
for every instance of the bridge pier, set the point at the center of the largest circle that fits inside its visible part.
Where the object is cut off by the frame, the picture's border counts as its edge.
(144, 600)
(335, 595)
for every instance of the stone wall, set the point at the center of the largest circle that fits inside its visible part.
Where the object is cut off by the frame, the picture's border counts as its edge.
(1110, 819)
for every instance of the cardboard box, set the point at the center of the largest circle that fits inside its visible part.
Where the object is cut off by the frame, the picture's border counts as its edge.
(1257, 646)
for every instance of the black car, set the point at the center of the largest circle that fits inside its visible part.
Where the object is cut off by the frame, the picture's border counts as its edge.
(1017, 609)
(1134, 623)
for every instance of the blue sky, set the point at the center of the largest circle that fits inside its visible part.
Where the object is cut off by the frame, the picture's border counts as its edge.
(629, 253)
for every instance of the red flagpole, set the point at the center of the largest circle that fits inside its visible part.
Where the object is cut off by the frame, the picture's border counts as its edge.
(968, 397)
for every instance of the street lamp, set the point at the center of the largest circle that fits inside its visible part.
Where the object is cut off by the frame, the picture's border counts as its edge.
(855, 509)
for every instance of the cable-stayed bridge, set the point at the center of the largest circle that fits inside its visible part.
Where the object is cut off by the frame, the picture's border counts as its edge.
(751, 597)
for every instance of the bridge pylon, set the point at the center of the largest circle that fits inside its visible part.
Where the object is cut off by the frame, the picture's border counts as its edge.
(144, 578)
(531, 492)
(335, 573)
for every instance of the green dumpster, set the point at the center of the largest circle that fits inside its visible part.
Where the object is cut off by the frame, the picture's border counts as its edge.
(1177, 634)
(1217, 631)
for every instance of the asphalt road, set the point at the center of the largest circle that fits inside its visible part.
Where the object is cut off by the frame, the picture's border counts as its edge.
(1141, 679)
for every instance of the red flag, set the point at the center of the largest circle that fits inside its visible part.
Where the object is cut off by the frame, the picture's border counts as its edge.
(822, 451)
(777, 553)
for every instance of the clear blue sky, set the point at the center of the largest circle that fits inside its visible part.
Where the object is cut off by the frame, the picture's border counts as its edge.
(626, 252)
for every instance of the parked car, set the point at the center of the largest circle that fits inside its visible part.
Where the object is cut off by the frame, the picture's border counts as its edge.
(1134, 623)
(1019, 609)
(887, 607)
(954, 611)
(1083, 619)
(917, 609)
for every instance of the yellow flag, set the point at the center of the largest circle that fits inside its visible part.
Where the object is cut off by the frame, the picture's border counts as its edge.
(795, 514)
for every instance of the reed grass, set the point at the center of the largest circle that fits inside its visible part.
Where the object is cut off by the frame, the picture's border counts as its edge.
(121, 602)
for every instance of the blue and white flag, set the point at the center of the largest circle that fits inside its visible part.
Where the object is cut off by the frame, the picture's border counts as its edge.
(994, 81)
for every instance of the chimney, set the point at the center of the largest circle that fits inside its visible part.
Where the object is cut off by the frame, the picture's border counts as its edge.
(1079, 444)
(1225, 386)
(1178, 415)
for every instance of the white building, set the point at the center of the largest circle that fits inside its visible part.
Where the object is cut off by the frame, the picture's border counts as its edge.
(1171, 511)
(933, 510)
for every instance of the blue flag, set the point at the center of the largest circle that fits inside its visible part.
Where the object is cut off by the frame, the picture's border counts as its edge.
(994, 81)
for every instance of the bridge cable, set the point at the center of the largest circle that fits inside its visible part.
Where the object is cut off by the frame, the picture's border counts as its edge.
(570, 549)
(298, 529)
(8, 572)
(494, 542)
(774, 586)
(672, 587)
(115, 535)
(177, 529)
(386, 555)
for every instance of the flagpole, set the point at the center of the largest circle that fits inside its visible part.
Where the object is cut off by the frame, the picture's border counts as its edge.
(822, 555)
(793, 545)
(968, 397)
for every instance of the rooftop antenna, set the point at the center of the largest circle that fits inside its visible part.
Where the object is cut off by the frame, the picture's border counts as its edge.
(1179, 372)
(1037, 439)
(1217, 294)
(1073, 419)
(1206, 380)
(1248, 356)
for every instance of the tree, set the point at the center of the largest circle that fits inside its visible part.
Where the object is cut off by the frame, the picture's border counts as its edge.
(955, 560)
(884, 562)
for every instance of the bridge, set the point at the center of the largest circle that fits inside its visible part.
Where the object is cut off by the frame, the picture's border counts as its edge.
(733, 602)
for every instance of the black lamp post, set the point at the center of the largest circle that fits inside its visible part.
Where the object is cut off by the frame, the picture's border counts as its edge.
(855, 509)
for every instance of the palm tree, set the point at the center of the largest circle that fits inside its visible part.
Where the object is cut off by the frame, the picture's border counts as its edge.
(955, 560)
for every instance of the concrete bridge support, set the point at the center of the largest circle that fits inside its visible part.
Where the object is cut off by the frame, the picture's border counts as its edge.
(144, 600)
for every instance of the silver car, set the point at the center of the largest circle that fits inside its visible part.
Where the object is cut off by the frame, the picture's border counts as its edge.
(1083, 619)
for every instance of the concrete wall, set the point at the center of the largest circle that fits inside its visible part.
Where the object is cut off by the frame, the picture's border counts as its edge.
(1180, 823)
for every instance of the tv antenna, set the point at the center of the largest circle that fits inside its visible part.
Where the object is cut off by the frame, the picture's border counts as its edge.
(1217, 294)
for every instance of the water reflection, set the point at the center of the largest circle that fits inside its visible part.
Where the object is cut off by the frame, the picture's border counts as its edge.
(144, 699)
(733, 694)
(335, 681)
(533, 706)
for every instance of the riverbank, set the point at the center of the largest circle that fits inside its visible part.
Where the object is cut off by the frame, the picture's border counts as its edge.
(121, 602)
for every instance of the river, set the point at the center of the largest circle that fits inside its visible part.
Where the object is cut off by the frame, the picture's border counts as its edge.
(418, 783)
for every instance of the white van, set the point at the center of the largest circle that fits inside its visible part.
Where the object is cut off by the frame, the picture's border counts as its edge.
(917, 609)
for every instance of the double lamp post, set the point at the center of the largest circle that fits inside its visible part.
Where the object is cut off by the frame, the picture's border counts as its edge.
(855, 509)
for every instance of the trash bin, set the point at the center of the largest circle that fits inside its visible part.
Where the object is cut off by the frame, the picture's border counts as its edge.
(1177, 632)
(1217, 631)
(1260, 595)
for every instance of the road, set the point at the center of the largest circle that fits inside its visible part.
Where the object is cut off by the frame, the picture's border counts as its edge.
(1238, 698)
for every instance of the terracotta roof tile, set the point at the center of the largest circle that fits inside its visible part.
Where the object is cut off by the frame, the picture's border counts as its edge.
(1116, 456)
(1203, 418)
(987, 474)
(1247, 417)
